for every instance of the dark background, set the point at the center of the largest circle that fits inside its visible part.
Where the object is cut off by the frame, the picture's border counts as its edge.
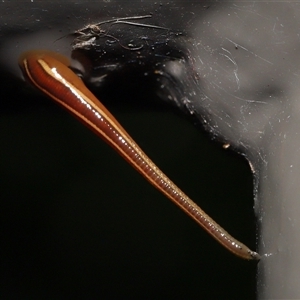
(78, 222)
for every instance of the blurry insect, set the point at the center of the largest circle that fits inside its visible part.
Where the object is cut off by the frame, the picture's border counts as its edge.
(87, 35)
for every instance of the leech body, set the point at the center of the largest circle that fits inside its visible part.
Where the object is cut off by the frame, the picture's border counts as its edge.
(50, 73)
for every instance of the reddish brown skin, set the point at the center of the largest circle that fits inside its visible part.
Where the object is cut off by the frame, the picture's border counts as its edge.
(49, 72)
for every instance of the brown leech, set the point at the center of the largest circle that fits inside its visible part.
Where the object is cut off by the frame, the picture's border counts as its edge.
(49, 72)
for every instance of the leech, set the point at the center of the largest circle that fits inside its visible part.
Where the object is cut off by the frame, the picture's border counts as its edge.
(49, 72)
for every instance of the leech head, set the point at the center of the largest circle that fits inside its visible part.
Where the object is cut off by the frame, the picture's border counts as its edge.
(36, 54)
(54, 61)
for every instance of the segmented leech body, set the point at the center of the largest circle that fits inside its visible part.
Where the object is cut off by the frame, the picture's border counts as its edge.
(49, 72)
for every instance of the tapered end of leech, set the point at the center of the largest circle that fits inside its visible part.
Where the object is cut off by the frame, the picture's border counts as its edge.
(254, 255)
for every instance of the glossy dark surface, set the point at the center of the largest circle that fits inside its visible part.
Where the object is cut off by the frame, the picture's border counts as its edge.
(50, 249)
